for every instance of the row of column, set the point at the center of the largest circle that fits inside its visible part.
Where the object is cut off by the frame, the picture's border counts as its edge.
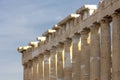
(89, 55)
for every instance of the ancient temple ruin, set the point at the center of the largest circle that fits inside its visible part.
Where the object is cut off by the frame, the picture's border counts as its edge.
(83, 46)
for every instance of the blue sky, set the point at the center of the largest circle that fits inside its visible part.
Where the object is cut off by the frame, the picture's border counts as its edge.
(21, 21)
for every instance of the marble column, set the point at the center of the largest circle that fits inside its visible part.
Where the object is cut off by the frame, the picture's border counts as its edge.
(105, 49)
(67, 60)
(84, 56)
(116, 46)
(53, 70)
(41, 67)
(60, 55)
(30, 70)
(47, 65)
(95, 53)
(76, 57)
(25, 72)
(35, 68)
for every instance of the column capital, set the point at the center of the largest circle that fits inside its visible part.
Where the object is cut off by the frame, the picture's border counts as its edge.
(105, 20)
(35, 59)
(47, 52)
(95, 27)
(115, 14)
(41, 56)
(85, 31)
(67, 42)
(60, 47)
(76, 37)
(30, 62)
(53, 48)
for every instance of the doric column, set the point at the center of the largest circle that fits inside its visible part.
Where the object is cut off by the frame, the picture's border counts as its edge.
(41, 67)
(53, 63)
(30, 70)
(35, 68)
(25, 72)
(85, 56)
(95, 53)
(105, 49)
(60, 55)
(76, 57)
(116, 46)
(67, 60)
(47, 65)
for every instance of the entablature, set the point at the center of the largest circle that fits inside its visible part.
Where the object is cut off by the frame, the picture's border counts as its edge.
(41, 39)
(86, 10)
(23, 48)
(49, 32)
(71, 16)
(33, 44)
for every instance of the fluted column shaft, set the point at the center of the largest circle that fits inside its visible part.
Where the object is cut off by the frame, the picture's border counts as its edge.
(35, 68)
(76, 57)
(53, 67)
(67, 60)
(41, 67)
(47, 65)
(84, 57)
(60, 55)
(116, 46)
(25, 72)
(95, 53)
(30, 70)
(105, 50)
